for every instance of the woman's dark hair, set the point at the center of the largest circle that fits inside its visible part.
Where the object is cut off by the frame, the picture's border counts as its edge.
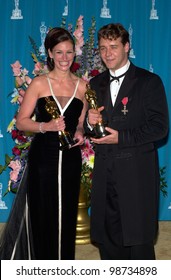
(55, 36)
(114, 31)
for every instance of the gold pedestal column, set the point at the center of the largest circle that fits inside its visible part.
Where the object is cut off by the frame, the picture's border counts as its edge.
(83, 219)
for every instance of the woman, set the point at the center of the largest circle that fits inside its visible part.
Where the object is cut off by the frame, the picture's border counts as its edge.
(53, 171)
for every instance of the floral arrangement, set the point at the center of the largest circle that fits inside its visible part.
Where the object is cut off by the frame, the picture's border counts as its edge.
(86, 65)
(22, 139)
(87, 151)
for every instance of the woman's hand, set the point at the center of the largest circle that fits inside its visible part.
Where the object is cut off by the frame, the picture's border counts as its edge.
(55, 125)
(79, 138)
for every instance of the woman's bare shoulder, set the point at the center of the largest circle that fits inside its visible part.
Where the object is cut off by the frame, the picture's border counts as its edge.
(40, 79)
(38, 86)
(83, 84)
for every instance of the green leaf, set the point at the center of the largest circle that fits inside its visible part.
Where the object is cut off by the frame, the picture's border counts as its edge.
(163, 182)
(8, 159)
(37, 54)
(1, 169)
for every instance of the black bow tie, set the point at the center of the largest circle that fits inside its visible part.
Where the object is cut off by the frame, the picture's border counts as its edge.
(117, 78)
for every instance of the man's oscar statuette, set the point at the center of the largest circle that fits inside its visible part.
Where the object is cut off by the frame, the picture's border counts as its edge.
(99, 128)
(65, 138)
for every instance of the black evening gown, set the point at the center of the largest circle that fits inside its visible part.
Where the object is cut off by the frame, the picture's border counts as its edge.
(42, 224)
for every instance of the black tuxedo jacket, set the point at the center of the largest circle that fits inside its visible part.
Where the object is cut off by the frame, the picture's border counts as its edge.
(134, 160)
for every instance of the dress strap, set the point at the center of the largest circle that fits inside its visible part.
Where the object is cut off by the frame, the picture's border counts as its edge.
(72, 97)
(62, 110)
(52, 93)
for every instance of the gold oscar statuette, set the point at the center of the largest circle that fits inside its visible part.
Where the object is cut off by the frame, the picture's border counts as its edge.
(65, 137)
(91, 97)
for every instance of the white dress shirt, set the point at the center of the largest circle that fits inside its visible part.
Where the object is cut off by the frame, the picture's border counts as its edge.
(115, 85)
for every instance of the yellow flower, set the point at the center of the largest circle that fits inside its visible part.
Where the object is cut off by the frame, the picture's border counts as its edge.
(11, 125)
(90, 162)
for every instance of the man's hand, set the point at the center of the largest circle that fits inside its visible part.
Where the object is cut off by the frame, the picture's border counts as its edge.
(94, 116)
(112, 138)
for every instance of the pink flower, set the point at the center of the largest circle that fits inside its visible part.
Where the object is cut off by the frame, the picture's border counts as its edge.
(80, 22)
(39, 68)
(78, 33)
(25, 72)
(78, 46)
(19, 81)
(21, 95)
(14, 175)
(85, 77)
(28, 80)
(16, 67)
(15, 165)
(22, 79)
(20, 99)
(87, 150)
(21, 92)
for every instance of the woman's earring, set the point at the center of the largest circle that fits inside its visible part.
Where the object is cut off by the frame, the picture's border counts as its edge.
(51, 60)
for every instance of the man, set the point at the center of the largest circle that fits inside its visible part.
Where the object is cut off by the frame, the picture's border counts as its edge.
(125, 191)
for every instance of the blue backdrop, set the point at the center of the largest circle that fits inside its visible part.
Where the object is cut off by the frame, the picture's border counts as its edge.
(148, 22)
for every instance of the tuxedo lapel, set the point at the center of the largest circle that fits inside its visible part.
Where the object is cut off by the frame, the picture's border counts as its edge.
(104, 98)
(126, 87)
(105, 90)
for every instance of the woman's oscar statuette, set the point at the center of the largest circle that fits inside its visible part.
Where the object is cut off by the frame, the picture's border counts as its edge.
(90, 96)
(65, 137)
